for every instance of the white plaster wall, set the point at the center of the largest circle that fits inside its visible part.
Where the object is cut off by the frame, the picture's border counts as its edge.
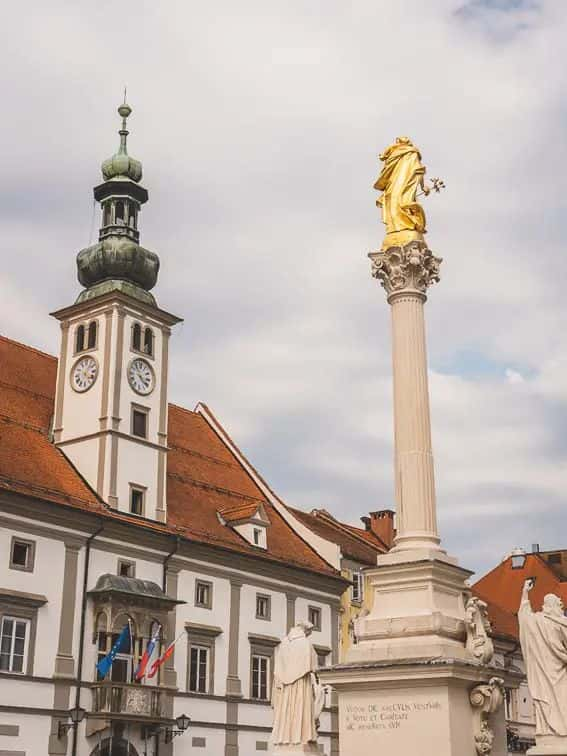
(81, 411)
(275, 627)
(84, 455)
(247, 742)
(200, 709)
(127, 394)
(319, 637)
(24, 692)
(215, 739)
(33, 735)
(137, 464)
(218, 616)
(46, 579)
(260, 715)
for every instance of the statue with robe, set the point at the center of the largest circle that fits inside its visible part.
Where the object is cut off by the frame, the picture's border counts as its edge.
(401, 177)
(543, 636)
(297, 695)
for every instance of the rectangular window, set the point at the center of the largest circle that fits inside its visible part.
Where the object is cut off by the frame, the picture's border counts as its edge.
(199, 669)
(204, 594)
(314, 616)
(126, 568)
(14, 636)
(357, 587)
(260, 676)
(22, 554)
(137, 496)
(140, 422)
(257, 534)
(262, 606)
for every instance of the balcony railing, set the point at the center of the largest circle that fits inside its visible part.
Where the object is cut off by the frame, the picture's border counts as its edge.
(121, 698)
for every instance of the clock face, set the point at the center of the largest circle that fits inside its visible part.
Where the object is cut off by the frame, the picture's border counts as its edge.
(141, 376)
(84, 373)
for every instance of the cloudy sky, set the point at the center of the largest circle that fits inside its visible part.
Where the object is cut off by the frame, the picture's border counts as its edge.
(259, 125)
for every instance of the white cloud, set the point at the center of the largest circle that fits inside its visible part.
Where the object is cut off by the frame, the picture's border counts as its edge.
(259, 128)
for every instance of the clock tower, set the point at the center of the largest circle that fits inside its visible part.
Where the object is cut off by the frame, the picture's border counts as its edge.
(111, 399)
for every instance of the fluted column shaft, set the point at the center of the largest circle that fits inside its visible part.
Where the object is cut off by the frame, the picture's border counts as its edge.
(405, 273)
(414, 474)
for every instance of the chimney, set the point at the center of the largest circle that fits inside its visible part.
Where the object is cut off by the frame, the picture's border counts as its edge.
(381, 523)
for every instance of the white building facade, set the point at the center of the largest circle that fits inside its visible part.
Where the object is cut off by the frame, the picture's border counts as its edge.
(118, 509)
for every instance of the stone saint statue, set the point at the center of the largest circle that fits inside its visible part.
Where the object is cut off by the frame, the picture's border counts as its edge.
(297, 696)
(401, 177)
(543, 636)
(478, 628)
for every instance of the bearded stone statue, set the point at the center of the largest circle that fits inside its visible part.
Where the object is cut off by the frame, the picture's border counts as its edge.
(543, 636)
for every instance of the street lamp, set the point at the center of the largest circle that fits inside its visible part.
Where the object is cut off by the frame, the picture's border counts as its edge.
(76, 715)
(182, 722)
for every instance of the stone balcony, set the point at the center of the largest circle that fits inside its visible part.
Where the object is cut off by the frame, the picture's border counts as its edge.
(142, 701)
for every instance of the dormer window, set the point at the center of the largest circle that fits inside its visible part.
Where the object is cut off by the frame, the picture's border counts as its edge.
(248, 520)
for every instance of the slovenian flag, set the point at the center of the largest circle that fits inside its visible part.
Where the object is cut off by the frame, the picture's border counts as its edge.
(164, 657)
(123, 643)
(141, 671)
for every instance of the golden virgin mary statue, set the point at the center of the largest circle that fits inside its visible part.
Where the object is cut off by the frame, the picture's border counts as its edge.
(401, 177)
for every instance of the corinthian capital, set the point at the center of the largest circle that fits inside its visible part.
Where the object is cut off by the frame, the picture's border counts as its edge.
(409, 268)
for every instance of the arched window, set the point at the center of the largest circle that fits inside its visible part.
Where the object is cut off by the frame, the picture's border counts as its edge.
(106, 215)
(149, 342)
(80, 338)
(136, 337)
(119, 217)
(91, 338)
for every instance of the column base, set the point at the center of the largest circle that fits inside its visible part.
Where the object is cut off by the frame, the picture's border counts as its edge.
(418, 610)
(412, 707)
(549, 745)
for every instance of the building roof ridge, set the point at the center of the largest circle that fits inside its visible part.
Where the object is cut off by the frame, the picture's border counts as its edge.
(344, 527)
(28, 348)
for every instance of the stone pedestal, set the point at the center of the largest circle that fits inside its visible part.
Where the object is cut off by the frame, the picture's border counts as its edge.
(409, 685)
(309, 749)
(549, 745)
(411, 707)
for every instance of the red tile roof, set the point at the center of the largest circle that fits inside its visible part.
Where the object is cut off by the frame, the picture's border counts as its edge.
(354, 542)
(501, 588)
(239, 512)
(203, 475)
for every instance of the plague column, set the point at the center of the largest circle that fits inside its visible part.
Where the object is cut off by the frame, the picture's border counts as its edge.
(412, 683)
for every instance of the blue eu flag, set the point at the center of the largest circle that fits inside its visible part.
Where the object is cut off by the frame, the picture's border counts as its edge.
(123, 643)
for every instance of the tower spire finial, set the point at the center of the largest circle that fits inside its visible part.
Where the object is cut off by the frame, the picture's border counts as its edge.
(124, 111)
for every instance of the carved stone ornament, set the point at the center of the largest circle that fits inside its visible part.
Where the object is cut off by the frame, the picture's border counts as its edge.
(412, 267)
(137, 701)
(478, 628)
(486, 699)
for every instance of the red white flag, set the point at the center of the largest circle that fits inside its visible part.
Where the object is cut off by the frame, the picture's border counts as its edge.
(164, 657)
